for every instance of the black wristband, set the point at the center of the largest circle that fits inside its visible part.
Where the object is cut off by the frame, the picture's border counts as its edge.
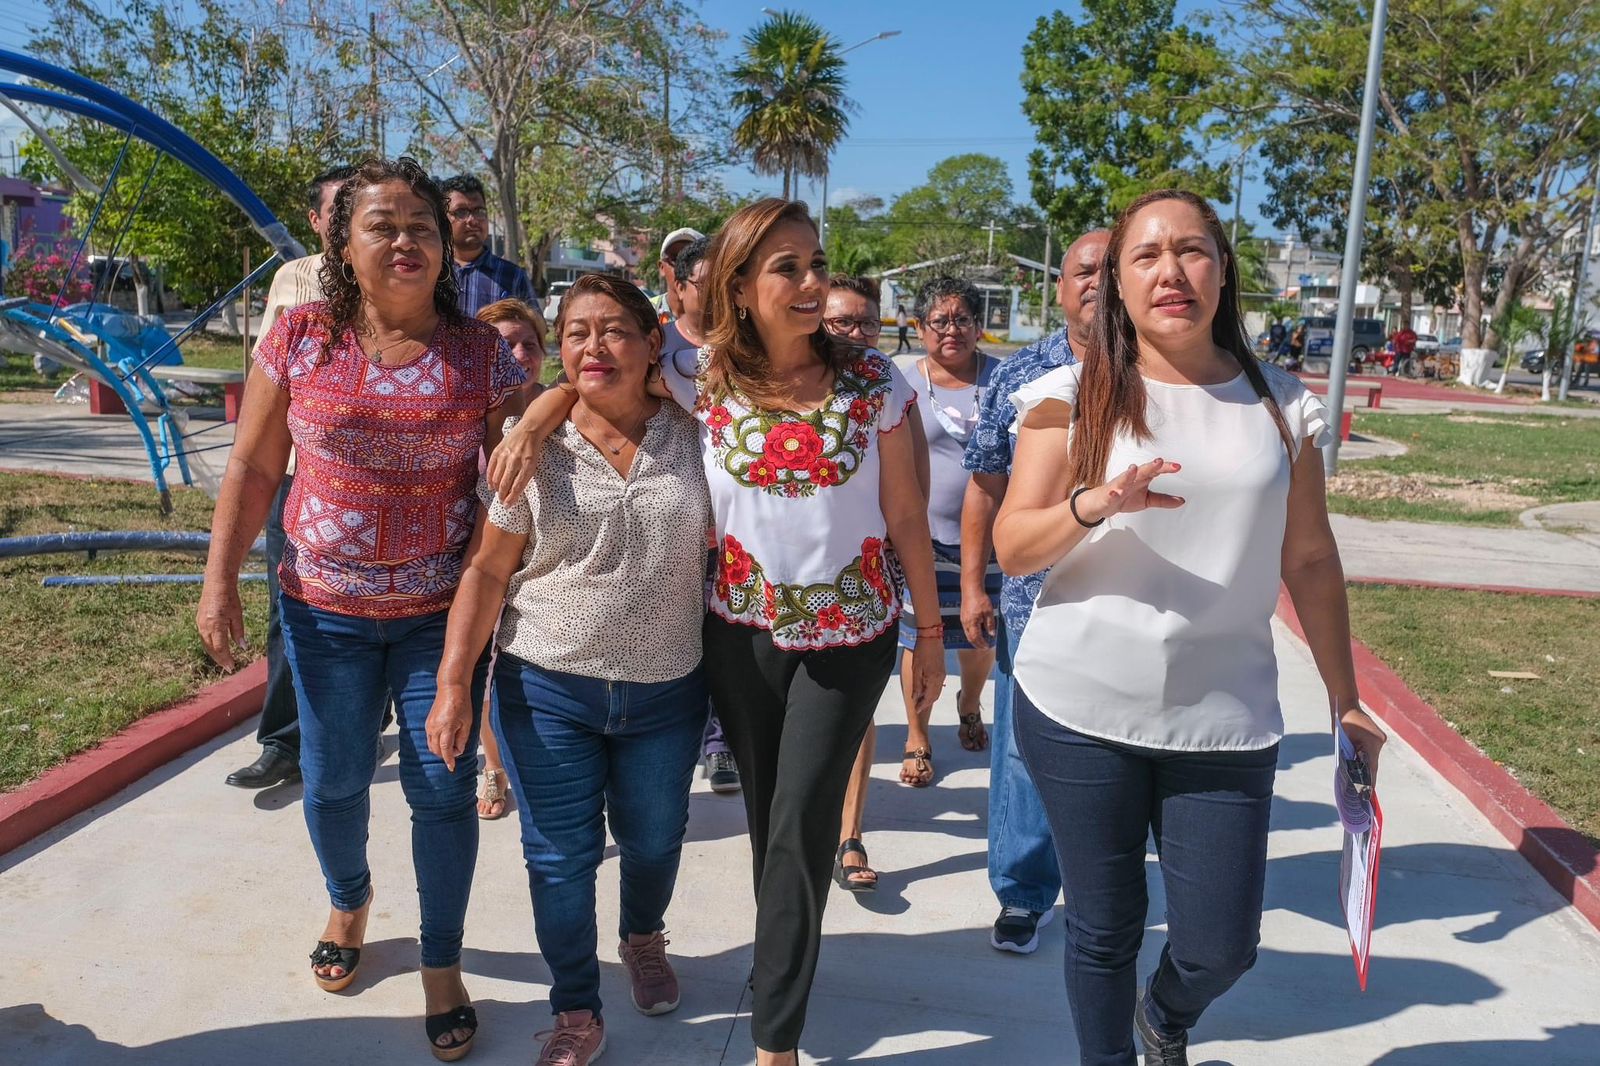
(1072, 505)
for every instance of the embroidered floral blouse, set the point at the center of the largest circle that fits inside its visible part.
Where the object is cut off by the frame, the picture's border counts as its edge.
(800, 532)
(383, 500)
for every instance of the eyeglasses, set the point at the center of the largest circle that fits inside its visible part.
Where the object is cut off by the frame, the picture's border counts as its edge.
(464, 213)
(945, 325)
(869, 327)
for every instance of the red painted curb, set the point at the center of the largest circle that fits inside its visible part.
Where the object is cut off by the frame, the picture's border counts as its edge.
(1557, 851)
(1510, 590)
(101, 772)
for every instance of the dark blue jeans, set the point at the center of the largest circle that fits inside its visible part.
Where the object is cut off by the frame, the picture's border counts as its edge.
(1208, 812)
(280, 710)
(1022, 856)
(582, 752)
(345, 671)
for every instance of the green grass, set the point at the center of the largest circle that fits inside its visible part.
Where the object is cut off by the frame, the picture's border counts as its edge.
(1477, 469)
(80, 664)
(1443, 642)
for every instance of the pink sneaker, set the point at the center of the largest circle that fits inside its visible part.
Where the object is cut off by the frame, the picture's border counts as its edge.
(577, 1040)
(655, 986)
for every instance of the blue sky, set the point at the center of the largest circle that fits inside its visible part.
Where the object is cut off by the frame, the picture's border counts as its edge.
(949, 83)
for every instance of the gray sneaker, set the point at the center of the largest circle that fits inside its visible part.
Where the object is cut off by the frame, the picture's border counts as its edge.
(722, 772)
(1017, 930)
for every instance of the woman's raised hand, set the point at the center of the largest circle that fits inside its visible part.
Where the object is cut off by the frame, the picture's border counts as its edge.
(1129, 491)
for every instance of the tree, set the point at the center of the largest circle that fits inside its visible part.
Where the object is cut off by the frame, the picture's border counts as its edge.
(949, 213)
(566, 106)
(790, 102)
(1117, 102)
(1489, 113)
(233, 84)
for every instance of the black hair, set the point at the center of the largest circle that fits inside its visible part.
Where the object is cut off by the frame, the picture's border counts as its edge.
(860, 285)
(684, 262)
(465, 184)
(339, 174)
(939, 288)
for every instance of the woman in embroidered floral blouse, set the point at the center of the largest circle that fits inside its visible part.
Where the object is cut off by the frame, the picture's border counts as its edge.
(387, 394)
(808, 478)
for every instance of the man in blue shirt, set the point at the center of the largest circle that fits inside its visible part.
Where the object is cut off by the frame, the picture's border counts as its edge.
(1022, 860)
(481, 276)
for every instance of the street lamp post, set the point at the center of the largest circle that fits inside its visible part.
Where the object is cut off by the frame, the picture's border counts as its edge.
(1338, 362)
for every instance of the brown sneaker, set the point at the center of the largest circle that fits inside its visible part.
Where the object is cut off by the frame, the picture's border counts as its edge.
(577, 1040)
(655, 986)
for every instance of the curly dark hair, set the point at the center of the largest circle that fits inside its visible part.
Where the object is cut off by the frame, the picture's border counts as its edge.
(342, 292)
(937, 289)
(465, 184)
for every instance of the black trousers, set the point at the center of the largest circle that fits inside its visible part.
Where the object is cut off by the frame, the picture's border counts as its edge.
(794, 721)
(280, 710)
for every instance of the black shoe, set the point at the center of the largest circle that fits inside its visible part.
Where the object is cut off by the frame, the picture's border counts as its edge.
(1159, 1050)
(722, 772)
(272, 768)
(1017, 930)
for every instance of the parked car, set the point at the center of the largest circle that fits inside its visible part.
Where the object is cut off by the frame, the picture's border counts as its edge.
(1533, 360)
(1451, 347)
(1367, 336)
(552, 301)
(1427, 344)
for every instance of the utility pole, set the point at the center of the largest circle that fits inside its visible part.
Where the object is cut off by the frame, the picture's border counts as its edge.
(372, 82)
(1049, 282)
(1338, 363)
(1238, 205)
(666, 129)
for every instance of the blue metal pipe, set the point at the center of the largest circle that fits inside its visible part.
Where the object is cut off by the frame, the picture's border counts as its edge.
(52, 543)
(81, 581)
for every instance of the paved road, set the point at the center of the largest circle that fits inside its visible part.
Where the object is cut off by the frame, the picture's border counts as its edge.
(170, 927)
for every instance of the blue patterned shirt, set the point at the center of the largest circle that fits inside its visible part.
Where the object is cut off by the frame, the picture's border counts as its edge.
(489, 278)
(991, 449)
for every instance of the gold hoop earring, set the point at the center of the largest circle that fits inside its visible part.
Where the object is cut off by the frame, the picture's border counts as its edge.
(744, 313)
(348, 271)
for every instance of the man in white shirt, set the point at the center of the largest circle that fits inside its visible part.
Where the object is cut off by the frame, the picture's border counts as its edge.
(296, 282)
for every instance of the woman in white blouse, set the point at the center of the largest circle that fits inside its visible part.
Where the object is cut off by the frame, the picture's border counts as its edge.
(600, 567)
(811, 470)
(1170, 480)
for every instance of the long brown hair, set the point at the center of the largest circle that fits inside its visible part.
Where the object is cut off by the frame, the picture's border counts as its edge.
(738, 362)
(1111, 394)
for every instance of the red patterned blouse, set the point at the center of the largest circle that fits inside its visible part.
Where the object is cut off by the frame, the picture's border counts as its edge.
(384, 495)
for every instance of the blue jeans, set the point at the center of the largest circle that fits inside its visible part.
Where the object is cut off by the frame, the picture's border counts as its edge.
(1208, 812)
(1022, 858)
(580, 752)
(345, 671)
(279, 730)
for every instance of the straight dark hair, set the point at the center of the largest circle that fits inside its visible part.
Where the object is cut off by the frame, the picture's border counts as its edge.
(1111, 394)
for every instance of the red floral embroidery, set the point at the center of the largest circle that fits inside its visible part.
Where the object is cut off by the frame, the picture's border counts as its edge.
(872, 566)
(735, 562)
(865, 369)
(824, 473)
(769, 600)
(762, 473)
(831, 617)
(860, 411)
(718, 419)
(793, 445)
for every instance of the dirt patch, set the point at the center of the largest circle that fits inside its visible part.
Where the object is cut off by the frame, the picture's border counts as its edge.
(1470, 494)
(1531, 423)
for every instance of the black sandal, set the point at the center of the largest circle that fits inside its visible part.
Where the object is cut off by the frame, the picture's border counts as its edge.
(922, 766)
(328, 953)
(973, 736)
(844, 875)
(463, 1017)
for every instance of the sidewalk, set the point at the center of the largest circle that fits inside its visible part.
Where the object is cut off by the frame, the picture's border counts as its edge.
(67, 439)
(172, 925)
(1466, 555)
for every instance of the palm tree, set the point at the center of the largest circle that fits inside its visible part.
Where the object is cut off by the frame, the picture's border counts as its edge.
(791, 103)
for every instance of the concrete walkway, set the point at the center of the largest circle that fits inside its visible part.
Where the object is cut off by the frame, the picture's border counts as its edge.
(1467, 555)
(171, 927)
(67, 439)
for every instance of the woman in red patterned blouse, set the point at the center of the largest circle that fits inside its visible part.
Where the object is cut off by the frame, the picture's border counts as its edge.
(388, 395)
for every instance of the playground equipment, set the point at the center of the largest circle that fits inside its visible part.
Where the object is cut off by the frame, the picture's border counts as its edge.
(78, 337)
(92, 543)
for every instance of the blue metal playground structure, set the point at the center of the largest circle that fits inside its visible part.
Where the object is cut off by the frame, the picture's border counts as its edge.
(78, 336)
